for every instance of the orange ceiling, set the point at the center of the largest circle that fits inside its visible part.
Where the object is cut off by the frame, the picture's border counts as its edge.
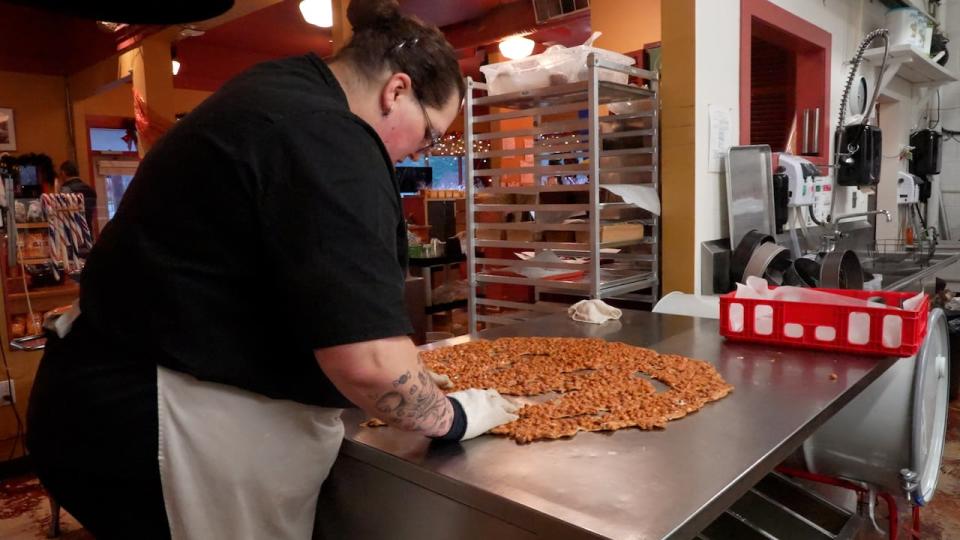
(44, 42)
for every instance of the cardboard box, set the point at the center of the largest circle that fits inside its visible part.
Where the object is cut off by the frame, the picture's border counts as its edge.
(34, 245)
(559, 236)
(616, 232)
(522, 236)
(489, 234)
(482, 197)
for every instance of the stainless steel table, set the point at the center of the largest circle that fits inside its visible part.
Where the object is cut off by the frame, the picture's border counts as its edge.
(627, 484)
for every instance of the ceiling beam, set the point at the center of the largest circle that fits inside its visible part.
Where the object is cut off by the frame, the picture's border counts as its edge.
(505, 20)
(240, 8)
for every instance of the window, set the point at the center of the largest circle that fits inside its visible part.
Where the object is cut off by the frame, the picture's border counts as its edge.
(772, 94)
(115, 176)
(110, 140)
(116, 185)
(446, 172)
(784, 81)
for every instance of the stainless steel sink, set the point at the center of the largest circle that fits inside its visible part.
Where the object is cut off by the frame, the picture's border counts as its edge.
(906, 272)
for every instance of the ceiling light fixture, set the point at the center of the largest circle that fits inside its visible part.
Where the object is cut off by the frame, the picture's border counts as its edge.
(174, 61)
(514, 47)
(317, 12)
(110, 27)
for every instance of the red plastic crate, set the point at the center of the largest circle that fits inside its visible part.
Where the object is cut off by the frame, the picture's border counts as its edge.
(812, 317)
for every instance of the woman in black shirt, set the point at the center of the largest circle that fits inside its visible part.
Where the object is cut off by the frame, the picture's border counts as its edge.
(249, 286)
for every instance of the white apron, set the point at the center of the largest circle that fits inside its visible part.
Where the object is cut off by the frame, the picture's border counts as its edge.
(238, 465)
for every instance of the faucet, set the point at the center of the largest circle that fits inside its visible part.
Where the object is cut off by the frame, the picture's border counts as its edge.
(830, 240)
(836, 222)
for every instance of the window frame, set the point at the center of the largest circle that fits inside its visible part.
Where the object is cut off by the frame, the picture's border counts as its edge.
(812, 48)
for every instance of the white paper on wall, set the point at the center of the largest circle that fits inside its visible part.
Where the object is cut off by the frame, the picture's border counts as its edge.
(719, 128)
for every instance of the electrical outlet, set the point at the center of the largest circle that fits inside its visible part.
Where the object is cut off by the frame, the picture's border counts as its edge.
(8, 393)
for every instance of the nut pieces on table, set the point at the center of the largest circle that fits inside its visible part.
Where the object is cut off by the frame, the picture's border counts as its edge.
(603, 386)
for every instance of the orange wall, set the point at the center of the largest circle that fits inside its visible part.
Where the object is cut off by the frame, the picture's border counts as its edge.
(118, 101)
(186, 100)
(40, 118)
(677, 146)
(41, 126)
(626, 24)
(38, 111)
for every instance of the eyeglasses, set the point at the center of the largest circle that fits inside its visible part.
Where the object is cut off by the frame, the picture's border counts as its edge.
(429, 133)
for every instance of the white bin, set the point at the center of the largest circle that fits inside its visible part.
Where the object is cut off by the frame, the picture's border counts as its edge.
(556, 65)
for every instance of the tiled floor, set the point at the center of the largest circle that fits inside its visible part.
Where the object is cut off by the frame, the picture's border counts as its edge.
(25, 512)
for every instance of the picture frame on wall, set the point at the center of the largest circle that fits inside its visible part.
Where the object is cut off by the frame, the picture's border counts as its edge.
(8, 131)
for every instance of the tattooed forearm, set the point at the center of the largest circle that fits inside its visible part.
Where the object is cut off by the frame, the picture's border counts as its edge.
(402, 379)
(415, 407)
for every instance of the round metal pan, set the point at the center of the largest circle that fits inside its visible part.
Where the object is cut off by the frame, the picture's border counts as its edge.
(769, 261)
(744, 251)
(841, 270)
(802, 273)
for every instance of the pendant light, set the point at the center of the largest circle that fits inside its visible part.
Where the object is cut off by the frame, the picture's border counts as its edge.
(516, 46)
(174, 61)
(317, 12)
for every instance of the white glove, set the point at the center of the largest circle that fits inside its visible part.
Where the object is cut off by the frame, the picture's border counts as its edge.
(484, 409)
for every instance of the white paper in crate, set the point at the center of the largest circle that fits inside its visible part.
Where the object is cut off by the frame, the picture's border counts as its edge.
(643, 196)
(546, 256)
(858, 326)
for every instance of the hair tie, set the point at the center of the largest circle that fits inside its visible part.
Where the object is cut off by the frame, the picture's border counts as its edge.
(400, 45)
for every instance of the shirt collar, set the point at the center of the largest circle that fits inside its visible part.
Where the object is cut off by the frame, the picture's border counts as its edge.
(329, 78)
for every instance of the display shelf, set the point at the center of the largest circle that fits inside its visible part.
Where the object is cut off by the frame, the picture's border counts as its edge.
(43, 299)
(47, 292)
(609, 282)
(43, 226)
(911, 65)
(446, 306)
(572, 130)
(565, 94)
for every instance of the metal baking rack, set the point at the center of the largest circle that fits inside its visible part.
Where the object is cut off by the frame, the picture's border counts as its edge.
(556, 166)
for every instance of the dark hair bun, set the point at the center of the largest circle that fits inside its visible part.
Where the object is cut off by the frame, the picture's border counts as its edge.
(371, 13)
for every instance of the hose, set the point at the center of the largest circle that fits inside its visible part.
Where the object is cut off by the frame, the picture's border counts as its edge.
(893, 524)
(854, 67)
(915, 533)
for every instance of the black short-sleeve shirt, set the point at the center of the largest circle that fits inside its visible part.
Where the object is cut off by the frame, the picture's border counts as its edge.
(265, 224)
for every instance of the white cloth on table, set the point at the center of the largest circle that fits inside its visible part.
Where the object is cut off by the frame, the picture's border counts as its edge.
(594, 311)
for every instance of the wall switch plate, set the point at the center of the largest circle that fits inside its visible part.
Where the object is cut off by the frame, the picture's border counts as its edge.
(8, 393)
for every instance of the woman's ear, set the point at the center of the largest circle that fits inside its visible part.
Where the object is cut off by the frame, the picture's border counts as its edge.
(396, 85)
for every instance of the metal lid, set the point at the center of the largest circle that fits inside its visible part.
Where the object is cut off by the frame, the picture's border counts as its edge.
(930, 402)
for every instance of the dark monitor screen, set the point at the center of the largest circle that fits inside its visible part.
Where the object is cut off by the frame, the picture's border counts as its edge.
(411, 179)
(28, 175)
